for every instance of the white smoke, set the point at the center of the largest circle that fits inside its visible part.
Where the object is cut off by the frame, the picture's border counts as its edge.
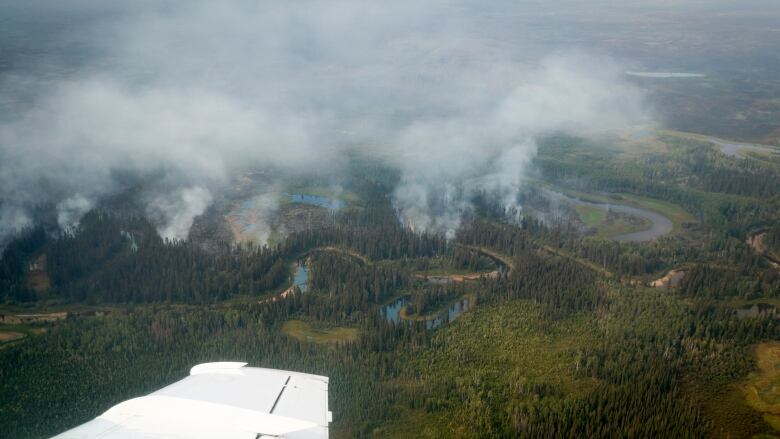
(444, 162)
(251, 221)
(12, 220)
(70, 211)
(508, 174)
(176, 212)
(201, 91)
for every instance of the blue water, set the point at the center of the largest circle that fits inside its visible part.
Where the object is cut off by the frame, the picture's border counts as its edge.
(453, 312)
(317, 200)
(301, 277)
(392, 312)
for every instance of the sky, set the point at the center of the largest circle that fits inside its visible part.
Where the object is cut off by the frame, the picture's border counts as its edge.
(454, 93)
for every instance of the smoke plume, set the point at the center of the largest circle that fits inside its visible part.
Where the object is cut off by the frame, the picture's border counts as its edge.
(201, 91)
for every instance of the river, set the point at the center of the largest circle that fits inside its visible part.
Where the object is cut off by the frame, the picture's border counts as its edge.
(392, 312)
(660, 225)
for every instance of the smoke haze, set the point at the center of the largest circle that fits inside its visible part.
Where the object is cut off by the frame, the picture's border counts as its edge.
(200, 91)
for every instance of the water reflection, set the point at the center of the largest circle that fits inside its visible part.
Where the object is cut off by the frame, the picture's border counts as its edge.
(453, 312)
(301, 277)
(317, 200)
(392, 312)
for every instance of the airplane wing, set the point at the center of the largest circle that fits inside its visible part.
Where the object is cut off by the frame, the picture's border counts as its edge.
(220, 401)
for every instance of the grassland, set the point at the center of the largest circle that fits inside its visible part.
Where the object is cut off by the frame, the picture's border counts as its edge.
(304, 331)
(762, 390)
(444, 271)
(729, 414)
(746, 408)
(17, 332)
(617, 225)
(590, 215)
(9, 336)
(677, 214)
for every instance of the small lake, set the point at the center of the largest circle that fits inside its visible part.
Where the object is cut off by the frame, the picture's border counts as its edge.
(301, 277)
(392, 312)
(317, 200)
(660, 225)
(758, 310)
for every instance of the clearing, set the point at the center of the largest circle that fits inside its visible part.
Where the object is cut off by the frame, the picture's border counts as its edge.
(756, 242)
(669, 280)
(303, 331)
(14, 319)
(465, 277)
(592, 216)
(10, 336)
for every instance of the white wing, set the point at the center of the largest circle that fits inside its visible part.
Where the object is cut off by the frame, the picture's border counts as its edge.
(220, 401)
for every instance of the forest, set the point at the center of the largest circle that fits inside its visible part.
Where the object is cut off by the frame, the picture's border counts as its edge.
(564, 336)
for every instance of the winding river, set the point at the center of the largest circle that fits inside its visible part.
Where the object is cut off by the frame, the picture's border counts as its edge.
(660, 225)
(392, 312)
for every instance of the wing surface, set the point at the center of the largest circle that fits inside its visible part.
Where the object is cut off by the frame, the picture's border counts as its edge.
(220, 401)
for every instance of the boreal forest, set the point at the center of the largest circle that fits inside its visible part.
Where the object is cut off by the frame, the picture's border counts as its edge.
(478, 220)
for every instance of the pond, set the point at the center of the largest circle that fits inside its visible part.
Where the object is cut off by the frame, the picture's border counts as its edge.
(301, 277)
(392, 312)
(758, 310)
(317, 200)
